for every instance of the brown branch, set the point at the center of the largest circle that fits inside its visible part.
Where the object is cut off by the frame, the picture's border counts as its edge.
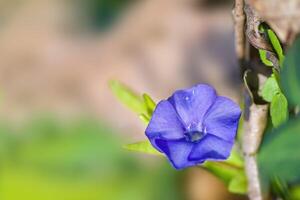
(255, 115)
(254, 36)
(254, 128)
(239, 24)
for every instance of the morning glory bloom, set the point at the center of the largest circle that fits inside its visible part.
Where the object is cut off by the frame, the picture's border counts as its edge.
(194, 125)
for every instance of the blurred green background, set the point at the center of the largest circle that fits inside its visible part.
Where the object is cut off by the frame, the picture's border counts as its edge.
(79, 159)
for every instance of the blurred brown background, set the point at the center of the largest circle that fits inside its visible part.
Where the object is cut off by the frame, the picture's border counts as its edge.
(56, 56)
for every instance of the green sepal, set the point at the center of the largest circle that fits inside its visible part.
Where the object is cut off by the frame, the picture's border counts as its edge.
(142, 147)
(150, 104)
(144, 118)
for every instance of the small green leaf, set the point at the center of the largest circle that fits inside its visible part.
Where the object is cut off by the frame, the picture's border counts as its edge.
(143, 147)
(279, 110)
(264, 59)
(149, 103)
(279, 153)
(270, 88)
(290, 74)
(128, 97)
(276, 45)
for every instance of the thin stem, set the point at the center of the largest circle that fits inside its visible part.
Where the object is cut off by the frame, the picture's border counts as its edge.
(254, 128)
(256, 118)
(239, 24)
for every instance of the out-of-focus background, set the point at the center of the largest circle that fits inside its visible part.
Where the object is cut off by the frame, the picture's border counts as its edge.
(62, 130)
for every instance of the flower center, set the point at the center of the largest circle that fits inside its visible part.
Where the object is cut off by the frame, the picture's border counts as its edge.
(194, 136)
(194, 133)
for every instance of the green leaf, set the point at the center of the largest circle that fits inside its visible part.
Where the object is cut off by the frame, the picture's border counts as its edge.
(279, 110)
(290, 74)
(270, 88)
(143, 147)
(276, 45)
(279, 154)
(128, 97)
(264, 59)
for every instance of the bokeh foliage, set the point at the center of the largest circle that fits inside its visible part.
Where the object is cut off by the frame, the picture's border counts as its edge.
(47, 158)
(102, 14)
(279, 156)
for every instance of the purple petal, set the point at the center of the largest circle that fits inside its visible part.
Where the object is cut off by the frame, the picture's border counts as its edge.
(164, 123)
(222, 119)
(192, 104)
(177, 152)
(211, 148)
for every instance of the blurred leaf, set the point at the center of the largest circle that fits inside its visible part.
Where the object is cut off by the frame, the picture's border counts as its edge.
(128, 97)
(280, 188)
(149, 103)
(279, 110)
(270, 88)
(295, 192)
(290, 74)
(143, 147)
(279, 154)
(102, 14)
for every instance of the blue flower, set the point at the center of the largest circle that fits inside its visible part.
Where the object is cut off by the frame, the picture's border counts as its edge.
(194, 125)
